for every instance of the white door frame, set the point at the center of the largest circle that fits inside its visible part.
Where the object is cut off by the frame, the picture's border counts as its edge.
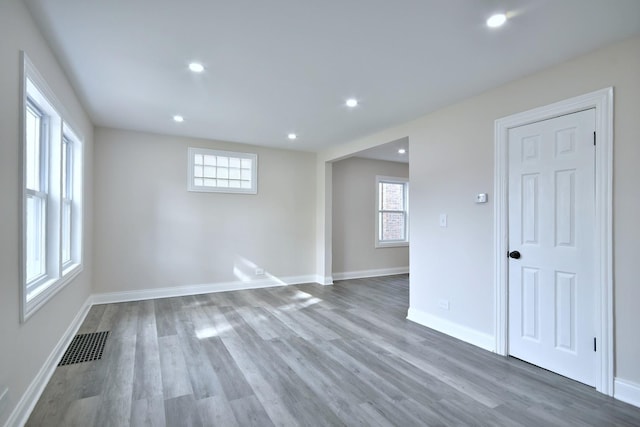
(602, 101)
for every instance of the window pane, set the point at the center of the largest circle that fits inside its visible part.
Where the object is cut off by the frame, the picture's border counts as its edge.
(65, 176)
(209, 172)
(223, 161)
(246, 184)
(246, 175)
(234, 162)
(210, 182)
(210, 160)
(223, 173)
(33, 146)
(392, 226)
(198, 182)
(223, 183)
(234, 173)
(198, 159)
(198, 171)
(392, 196)
(234, 183)
(66, 232)
(246, 163)
(35, 240)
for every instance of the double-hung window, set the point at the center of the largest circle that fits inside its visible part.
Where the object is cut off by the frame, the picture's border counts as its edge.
(35, 193)
(392, 211)
(51, 209)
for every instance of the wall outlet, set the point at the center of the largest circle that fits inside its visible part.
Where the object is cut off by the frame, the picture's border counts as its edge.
(481, 198)
(4, 401)
(443, 304)
(443, 220)
(259, 271)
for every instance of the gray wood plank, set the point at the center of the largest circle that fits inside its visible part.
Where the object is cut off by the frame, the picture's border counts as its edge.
(175, 374)
(216, 411)
(182, 411)
(249, 412)
(148, 412)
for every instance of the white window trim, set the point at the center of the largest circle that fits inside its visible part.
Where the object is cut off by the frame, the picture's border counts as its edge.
(391, 243)
(206, 151)
(57, 276)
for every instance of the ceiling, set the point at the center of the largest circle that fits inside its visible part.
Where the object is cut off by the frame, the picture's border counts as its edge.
(281, 66)
(388, 151)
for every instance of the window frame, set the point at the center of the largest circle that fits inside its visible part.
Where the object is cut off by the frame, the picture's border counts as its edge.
(191, 176)
(378, 211)
(54, 128)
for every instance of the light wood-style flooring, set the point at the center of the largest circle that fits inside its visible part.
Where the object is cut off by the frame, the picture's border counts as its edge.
(305, 355)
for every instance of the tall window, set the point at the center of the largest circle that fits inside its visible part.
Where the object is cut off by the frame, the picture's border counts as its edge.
(67, 199)
(52, 210)
(35, 193)
(222, 171)
(392, 211)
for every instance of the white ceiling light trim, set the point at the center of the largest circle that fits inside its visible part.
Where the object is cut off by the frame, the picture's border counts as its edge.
(292, 136)
(196, 67)
(351, 102)
(496, 20)
(178, 118)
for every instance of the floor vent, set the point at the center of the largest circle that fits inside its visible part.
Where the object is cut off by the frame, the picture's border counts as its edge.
(85, 348)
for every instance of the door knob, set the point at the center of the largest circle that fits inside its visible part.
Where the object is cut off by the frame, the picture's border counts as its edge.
(514, 254)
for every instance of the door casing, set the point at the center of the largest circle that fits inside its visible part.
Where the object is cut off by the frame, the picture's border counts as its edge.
(602, 101)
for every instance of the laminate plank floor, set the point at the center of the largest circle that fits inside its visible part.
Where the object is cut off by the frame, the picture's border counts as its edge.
(306, 355)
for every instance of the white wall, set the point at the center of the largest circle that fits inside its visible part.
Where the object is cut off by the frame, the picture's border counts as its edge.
(151, 233)
(25, 347)
(452, 159)
(354, 204)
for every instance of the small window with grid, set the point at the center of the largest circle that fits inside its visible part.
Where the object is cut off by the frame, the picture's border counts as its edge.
(222, 171)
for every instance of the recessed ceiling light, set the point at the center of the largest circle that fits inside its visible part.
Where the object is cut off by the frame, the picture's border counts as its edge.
(196, 67)
(352, 102)
(177, 118)
(402, 151)
(496, 20)
(292, 136)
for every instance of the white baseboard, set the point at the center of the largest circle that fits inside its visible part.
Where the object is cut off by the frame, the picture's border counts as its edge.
(180, 291)
(627, 391)
(370, 273)
(463, 333)
(28, 401)
(324, 280)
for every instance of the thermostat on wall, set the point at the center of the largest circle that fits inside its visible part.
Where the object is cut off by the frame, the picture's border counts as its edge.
(481, 198)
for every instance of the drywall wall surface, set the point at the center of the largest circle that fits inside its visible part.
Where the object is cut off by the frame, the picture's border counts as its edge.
(26, 346)
(451, 159)
(354, 214)
(152, 233)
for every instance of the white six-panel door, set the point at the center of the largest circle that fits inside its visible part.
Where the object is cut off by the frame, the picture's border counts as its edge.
(551, 225)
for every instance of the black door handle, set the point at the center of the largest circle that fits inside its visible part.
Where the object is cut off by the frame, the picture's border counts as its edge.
(514, 254)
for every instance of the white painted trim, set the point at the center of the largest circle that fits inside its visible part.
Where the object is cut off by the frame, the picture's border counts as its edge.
(602, 101)
(180, 291)
(326, 280)
(361, 274)
(463, 333)
(28, 401)
(627, 391)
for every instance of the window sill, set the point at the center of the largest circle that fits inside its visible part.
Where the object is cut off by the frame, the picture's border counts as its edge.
(380, 245)
(47, 290)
